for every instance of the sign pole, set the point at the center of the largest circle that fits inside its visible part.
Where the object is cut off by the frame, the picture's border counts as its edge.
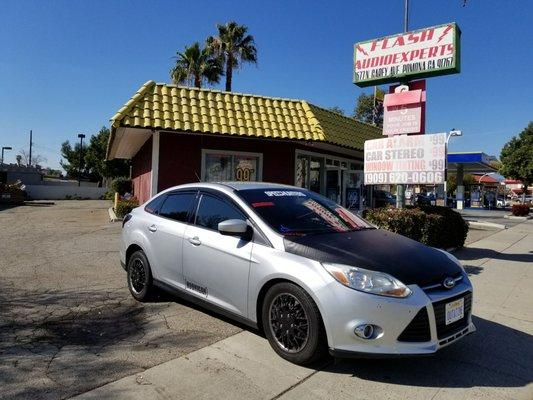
(400, 189)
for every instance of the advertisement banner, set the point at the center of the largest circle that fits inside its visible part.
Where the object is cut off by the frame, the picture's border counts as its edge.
(417, 159)
(422, 53)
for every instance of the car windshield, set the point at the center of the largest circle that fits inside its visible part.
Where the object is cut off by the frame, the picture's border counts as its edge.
(298, 212)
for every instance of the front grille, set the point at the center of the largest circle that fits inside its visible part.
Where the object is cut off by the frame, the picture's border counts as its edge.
(439, 307)
(418, 328)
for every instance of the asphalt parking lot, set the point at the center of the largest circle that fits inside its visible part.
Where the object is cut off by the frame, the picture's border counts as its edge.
(69, 326)
(67, 321)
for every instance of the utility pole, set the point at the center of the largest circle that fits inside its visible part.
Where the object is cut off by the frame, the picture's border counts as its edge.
(81, 136)
(31, 144)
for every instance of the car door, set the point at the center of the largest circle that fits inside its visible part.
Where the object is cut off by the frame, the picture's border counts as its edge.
(216, 266)
(166, 233)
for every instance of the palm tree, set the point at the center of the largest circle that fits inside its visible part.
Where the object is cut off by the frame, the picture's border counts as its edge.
(234, 47)
(196, 65)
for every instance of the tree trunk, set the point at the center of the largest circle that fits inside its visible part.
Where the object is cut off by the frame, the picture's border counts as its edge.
(229, 73)
(197, 81)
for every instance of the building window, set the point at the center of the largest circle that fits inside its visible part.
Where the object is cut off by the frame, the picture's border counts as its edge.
(221, 165)
(309, 172)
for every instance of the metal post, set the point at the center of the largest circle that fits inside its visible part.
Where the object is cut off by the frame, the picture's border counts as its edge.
(31, 144)
(81, 136)
(406, 16)
(400, 189)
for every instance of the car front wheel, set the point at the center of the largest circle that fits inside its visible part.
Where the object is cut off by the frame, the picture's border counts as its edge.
(292, 324)
(140, 276)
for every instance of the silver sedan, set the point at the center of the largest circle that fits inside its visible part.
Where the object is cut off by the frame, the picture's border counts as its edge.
(309, 273)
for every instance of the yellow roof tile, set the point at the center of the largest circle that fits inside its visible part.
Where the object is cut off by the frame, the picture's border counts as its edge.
(170, 107)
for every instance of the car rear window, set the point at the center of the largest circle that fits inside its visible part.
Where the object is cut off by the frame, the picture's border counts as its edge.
(177, 206)
(153, 206)
(299, 212)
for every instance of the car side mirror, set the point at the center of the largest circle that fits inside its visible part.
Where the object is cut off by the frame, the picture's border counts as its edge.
(233, 227)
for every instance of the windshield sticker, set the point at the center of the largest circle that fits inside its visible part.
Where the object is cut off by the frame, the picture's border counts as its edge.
(284, 193)
(262, 204)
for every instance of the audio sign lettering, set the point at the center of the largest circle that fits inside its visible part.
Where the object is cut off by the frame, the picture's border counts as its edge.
(416, 54)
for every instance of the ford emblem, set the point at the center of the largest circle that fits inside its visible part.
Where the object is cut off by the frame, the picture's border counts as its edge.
(448, 283)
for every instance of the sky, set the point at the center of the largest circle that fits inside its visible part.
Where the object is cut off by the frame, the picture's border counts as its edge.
(67, 66)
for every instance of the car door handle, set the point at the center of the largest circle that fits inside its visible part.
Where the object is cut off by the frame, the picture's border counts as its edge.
(195, 241)
(152, 228)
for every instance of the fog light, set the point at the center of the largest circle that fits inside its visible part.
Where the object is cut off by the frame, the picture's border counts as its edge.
(365, 331)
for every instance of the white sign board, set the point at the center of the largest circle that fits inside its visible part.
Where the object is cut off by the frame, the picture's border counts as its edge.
(417, 159)
(416, 54)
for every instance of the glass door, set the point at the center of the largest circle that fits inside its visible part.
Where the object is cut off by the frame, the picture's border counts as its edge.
(333, 184)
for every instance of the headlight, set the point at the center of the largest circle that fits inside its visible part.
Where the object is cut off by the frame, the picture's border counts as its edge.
(368, 281)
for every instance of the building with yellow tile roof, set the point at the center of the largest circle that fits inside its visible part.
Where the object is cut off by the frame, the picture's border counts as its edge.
(177, 134)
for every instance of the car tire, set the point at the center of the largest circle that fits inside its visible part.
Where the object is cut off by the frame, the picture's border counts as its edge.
(140, 277)
(285, 309)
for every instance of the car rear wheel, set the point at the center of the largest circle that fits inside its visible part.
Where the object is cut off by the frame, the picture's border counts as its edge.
(292, 324)
(140, 276)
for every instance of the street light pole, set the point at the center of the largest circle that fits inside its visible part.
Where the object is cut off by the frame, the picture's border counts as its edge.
(81, 136)
(453, 133)
(5, 148)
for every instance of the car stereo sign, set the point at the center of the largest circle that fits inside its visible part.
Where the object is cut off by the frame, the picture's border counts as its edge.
(417, 159)
(416, 54)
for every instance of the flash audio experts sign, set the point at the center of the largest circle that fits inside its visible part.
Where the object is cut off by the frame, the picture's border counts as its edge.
(416, 159)
(416, 54)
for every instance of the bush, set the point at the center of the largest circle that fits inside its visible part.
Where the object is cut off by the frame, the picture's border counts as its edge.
(432, 225)
(121, 185)
(109, 195)
(125, 206)
(520, 210)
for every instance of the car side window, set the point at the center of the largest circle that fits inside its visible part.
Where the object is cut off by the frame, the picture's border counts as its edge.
(177, 206)
(212, 211)
(154, 206)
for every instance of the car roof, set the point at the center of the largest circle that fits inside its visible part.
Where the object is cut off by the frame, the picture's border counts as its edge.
(237, 186)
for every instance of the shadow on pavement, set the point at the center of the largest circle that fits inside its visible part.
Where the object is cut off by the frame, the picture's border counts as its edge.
(494, 356)
(472, 253)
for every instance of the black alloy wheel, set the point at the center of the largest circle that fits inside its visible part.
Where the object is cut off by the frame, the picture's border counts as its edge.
(140, 276)
(293, 325)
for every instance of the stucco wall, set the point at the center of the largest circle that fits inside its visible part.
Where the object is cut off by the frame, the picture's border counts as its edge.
(60, 192)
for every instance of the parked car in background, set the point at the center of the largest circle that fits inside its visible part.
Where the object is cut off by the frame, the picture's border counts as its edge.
(309, 273)
(502, 202)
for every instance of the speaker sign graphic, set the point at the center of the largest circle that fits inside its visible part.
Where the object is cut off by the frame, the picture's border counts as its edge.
(417, 54)
(416, 159)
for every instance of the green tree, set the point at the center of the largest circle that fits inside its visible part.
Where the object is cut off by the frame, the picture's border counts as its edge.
(94, 165)
(71, 160)
(451, 181)
(95, 159)
(337, 110)
(367, 110)
(234, 47)
(195, 66)
(517, 157)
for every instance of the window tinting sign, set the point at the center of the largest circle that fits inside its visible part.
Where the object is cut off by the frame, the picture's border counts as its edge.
(416, 159)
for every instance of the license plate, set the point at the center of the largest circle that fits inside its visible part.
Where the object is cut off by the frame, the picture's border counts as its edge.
(455, 311)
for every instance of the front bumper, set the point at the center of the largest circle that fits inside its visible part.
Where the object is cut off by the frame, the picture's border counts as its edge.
(394, 316)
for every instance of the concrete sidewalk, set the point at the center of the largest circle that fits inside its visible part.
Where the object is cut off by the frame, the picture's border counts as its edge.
(495, 363)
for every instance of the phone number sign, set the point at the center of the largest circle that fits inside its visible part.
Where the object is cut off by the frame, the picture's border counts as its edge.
(417, 159)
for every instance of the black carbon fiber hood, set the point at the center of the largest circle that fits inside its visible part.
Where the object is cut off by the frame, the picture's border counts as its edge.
(407, 260)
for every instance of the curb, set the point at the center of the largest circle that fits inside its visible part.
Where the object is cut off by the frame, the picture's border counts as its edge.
(112, 216)
(485, 225)
(518, 218)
